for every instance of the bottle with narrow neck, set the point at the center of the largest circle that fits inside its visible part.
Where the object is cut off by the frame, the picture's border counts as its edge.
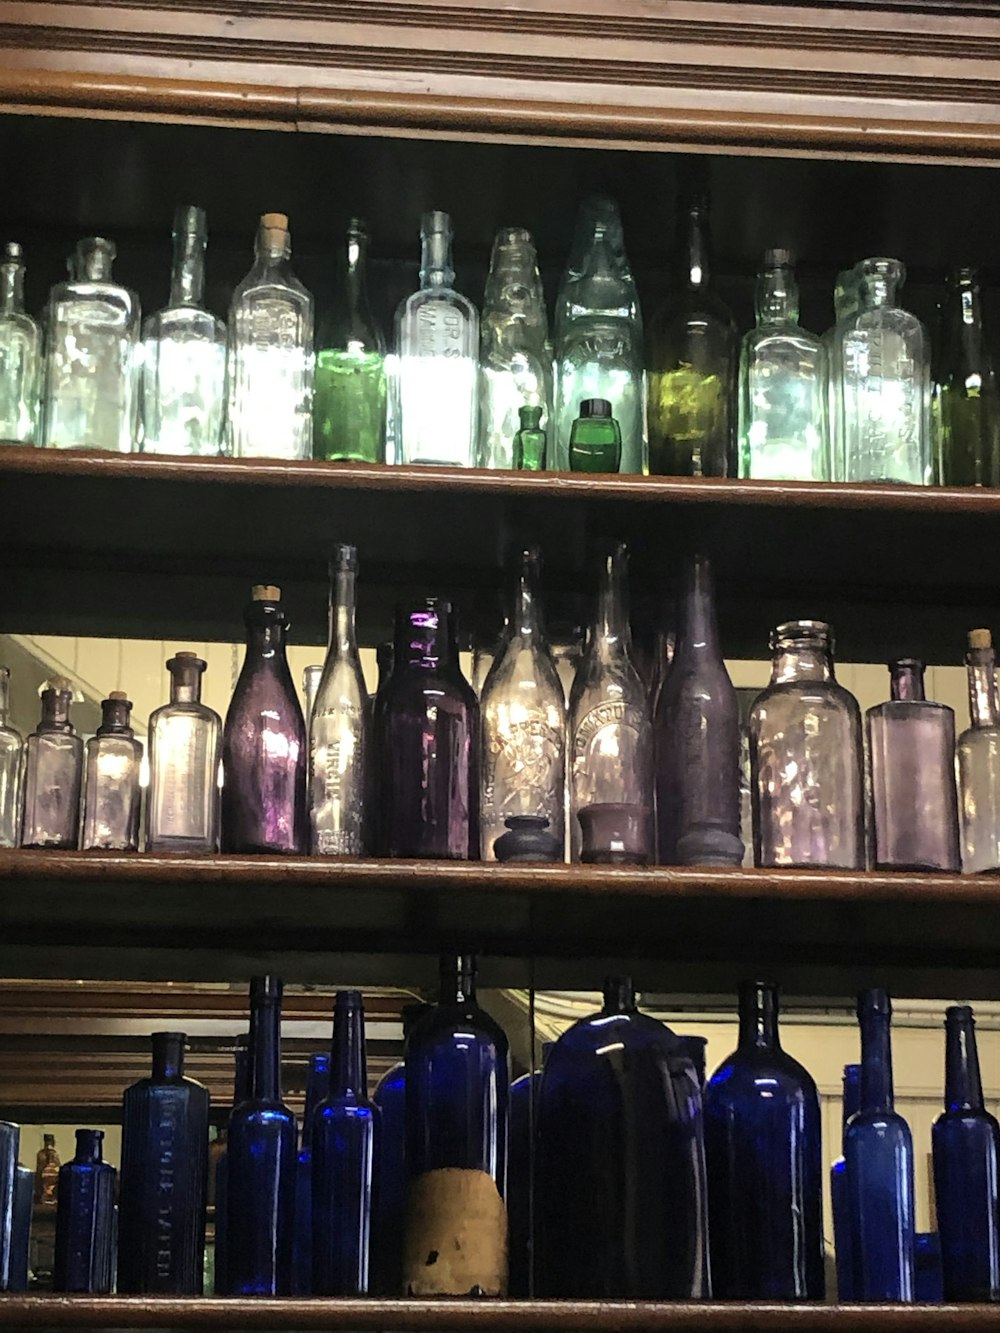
(317, 1088)
(20, 354)
(182, 810)
(112, 794)
(842, 1233)
(53, 774)
(966, 398)
(84, 1253)
(11, 751)
(978, 753)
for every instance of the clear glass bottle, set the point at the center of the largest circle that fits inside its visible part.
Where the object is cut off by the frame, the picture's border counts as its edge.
(850, 1104)
(883, 357)
(523, 711)
(182, 810)
(20, 354)
(47, 1166)
(437, 350)
(184, 354)
(966, 403)
(270, 338)
(530, 440)
(978, 753)
(11, 756)
(911, 758)
(53, 774)
(92, 324)
(112, 794)
(515, 355)
(846, 299)
(595, 442)
(598, 335)
(806, 757)
(783, 385)
(349, 395)
(85, 1220)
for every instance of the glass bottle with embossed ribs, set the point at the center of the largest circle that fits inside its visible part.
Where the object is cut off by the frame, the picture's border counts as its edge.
(182, 810)
(20, 354)
(978, 753)
(11, 751)
(53, 774)
(112, 794)
(85, 1219)
(966, 406)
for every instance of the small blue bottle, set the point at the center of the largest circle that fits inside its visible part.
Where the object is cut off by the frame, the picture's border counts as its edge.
(24, 1193)
(260, 1162)
(520, 1160)
(10, 1146)
(85, 1219)
(345, 1136)
(838, 1191)
(241, 1091)
(317, 1086)
(966, 1149)
(928, 1280)
(878, 1152)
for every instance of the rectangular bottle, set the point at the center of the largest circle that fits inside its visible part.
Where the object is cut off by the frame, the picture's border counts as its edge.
(85, 1220)
(11, 750)
(184, 755)
(112, 793)
(20, 354)
(53, 774)
(978, 754)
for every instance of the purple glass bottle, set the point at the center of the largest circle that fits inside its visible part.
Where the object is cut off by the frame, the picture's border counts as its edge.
(264, 753)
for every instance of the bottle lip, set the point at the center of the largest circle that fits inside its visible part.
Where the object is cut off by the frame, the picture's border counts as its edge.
(344, 558)
(959, 1013)
(348, 999)
(186, 658)
(779, 258)
(435, 222)
(595, 408)
(874, 1001)
(13, 253)
(265, 988)
(816, 632)
(168, 1036)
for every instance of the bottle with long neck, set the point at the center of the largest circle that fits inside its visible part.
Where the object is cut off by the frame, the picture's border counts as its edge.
(85, 1217)
(182, 811)
(20, 354)
(241, 1091)
(838, 1191)
(966, 398)
(112, 794)
(978, 753)
(11, 752)
(53, 774)
(317, 1088)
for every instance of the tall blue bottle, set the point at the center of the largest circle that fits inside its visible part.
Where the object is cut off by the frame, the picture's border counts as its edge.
(345, 1130)
(457, 1080)
(10, 1146)
(838, 1191)
(24, 1195)
(260, 1162)
(161, 1204)
(85, 1217)
(317, 1086)
(520, 1160)
(966, 1147)
(241, 1091)
(878, 1152)
(620, 1194)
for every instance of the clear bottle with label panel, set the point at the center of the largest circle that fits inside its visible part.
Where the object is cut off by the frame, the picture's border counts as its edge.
(184, 756)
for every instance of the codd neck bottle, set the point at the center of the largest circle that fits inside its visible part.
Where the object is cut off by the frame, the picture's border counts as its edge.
(317, 1088)
(966, 1152)
(437, 349)
(457, 1076)
(182, 810)
(350, 391)
(698, 739)
(515, 355)
(53, 774)
(270, 339)
(610, 736)
(530, 440)
(765, 1171)
(161, 1206)
(595, 440)
(523, 713)
(693, 360)
(842, 1237)
(261, 1160)
(846, 300)
(10, 1146)
(241, 1091)
(112, 792)
(978, 753)
(782, 385)
(85, 1218)
(878, 1151)
(20, 354)
(264, 742)
(806, 757)
(966, 398)
(598, 335)
(47, 1166)
(911, 756)
(11, 751)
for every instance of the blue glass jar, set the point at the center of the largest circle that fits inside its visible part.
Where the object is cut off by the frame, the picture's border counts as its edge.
(317, 1086)
(520, 1162)
(85, 1218)
(10, 1146)
(241, 1091)
(851, 1102)
(620, 1195)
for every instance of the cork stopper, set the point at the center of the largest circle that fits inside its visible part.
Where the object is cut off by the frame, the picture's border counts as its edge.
(265, 592)
(117, 694)
(274, 221)
(274, 232)
(59, 683)
(186, 654)
(980, 638)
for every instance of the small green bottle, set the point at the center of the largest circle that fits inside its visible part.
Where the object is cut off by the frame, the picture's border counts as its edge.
(595, 442)
(529, 441)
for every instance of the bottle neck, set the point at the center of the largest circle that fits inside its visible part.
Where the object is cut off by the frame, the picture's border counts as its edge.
(436, 269)
(527, 620)
(55, 711)
(317, 1087)
(963, 1088)
(116, 717)
(273, 248)
(698, 631)
(185, 683)
(168, 1055)
(4, 696)
(187, 283)
(89, 1151)
(343, 633)
(265, 632)
(983, 707)
(619, 996)
(423, 638)
(265, 1048)
(801, 659)
(777, 296)
(695, 247)
(852, 1092)
(877, 290)
(759, 1016)
(348, 1069)
(612, 631)
(458, 980)
(356, 272)
(11, 288)
(907, 681)
(242, 1084)
(876, 1062)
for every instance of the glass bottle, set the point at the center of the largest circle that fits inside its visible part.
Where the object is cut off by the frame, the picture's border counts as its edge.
(91, 398)
(693, 361)
(47, 1166)
(11, 753)
(261, 1161)
(523, 712)
(620, 1195)
(806, 757)
(270, 341)
(911, 757)
(878, 1152)
(20, 1231)
(846, 301)
(20, 354)
(782, 385)
(598, 335)
(112, 794)
(161, 1202)
(529, 440)
(697, 732)
(53, 774)
(966, 399)
(978, 753)
(765, 1168)
(241, 1091)
(966, 1153)
(264, 741)
(457, 1080)
(610, 735)
(595, 441)
(85, 1219)
(524, 1093)
(437, 349)
(883, 360)
(344, 1143)
(838, 1191)
(429, 738)
(182, 809)
(515, 355)
(317, 1088)
(528, 839)
(694, 1048)
(349, 399)
(10, 1146)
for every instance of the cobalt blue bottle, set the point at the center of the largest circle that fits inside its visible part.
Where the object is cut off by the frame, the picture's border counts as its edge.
(694, 1048)
(241, 1091)
(84, 1259)
(345, 1130)
(878, 1152)
(161, 1204)
(260, 1162)
(24, 1195)
(838, 1191)
(966, 1148)
(520, 1159)
(317, 1086)
(10, 1146)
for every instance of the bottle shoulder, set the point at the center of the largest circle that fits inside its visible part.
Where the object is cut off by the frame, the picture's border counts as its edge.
(882, 1124)
(796, 692)
(426, 298)
(911, 712)
(776, 344)
(742, 1072)
(964, 1121)
(192, 712)
(527, 667)
(447, 1025)
(184, 323)
(19, 325)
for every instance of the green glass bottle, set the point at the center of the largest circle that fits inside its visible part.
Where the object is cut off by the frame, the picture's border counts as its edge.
(529, 442)
(966, 402)
(349, 390)
(595, 442)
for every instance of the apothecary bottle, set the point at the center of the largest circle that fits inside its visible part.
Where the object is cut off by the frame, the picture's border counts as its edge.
(966, 397)
(523, 712)
(47, 1166)
(53, 774)
(270, 341)
(84, 1254)
(20, 354)
(595, 440)
(317, 1088)
(840, 1207)
(806, 757)
(349, 394)
(92, 326)
(182, 810)
(530, 441)
(978, 754)
(11, 753)
(437, 349)
(112, 794)
(911, 756)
